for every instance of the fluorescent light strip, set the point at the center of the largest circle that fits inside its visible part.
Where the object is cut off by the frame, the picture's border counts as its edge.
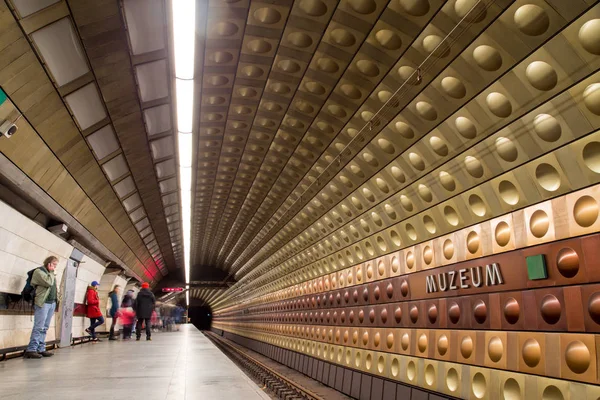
(184, 32)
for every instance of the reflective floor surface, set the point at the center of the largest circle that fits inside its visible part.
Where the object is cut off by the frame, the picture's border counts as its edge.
(174, 365)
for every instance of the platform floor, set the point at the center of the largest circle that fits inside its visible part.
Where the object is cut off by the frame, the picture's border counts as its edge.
(173, 366)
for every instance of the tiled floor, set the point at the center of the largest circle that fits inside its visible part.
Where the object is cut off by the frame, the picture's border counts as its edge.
(173, 366)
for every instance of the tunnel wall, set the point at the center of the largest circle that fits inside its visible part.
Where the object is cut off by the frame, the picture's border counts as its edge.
(23, 246)
(506, 307)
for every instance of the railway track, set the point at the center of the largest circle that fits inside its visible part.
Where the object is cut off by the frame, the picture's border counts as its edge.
(277, 384)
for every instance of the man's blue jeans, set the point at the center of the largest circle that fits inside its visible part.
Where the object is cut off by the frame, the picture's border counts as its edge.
(94, 323)
(41, 322)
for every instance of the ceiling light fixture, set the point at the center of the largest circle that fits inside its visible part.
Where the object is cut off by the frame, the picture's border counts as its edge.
(184, 33)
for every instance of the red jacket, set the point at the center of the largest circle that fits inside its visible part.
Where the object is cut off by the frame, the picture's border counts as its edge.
(93, 303)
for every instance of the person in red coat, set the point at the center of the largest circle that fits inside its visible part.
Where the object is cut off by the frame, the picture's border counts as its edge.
(93, 310)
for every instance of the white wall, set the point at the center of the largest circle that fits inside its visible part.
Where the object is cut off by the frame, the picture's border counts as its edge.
(23, 246)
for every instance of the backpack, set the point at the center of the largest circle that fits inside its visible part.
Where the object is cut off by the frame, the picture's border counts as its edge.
(28, 292)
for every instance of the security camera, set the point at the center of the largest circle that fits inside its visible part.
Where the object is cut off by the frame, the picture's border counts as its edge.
(7, 129)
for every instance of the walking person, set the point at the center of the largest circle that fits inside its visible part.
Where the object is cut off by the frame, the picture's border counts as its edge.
(93, 310)
(46, 295)
(126, 317)
(114, 307)
(144, 305)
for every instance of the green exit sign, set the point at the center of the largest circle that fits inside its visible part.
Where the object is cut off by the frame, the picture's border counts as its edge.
(536, 267)
(2, 97)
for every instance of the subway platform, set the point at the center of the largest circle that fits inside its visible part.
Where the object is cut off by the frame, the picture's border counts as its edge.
(174, 365)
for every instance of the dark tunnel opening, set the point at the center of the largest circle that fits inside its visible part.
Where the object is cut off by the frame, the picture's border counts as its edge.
(201, 317)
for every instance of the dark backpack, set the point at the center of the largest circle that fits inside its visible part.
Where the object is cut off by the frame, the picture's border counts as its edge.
(28, 292)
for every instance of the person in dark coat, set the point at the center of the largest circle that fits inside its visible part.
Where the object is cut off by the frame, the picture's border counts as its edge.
(114, 307)
(93, 310)
(144, 305)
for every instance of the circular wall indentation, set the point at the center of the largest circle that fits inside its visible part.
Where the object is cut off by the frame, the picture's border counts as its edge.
(432, 312)
(532, 20)
(498, 104)
(539, 223)
(252, 71)
(470, 10)
(472, 242)
(453, 87)
(411, 371)
(512, 311)
(547, 127)
(541, 75)
(416, 161)
(551, 309)
(259, 46)
(591, 156)
(300, 40)
(424, 193)
(267, 15)
(567, 262)
(531, 352)
(429, 374)
(422, 343)
(577, 356)
(416, 8)
(474, 167)
(221, 57)
(388, 39)
(439, 146)
(414, 314)
(314, 8)
(398, 314)
(480, 311)
(495, 349)
(288, 66)
(404, 130)
(508, 193)
(511, 390)
(547, 177)
(411, 231)
(591, 98)
(225, 28)
(585, 211)
(487, 58)
(427, 255)
(447, 181)
(465, 127)
(395, 367)
(452, 380)
(410, 259)
(448, 249)
(426, 111)
(466, 347)
(454, 313)
(594, 307)
(351, 91)
(502, 234)
(451, 216)
(342, 37)
(477, 205)
(436, 45)
(218, 80)
(443, 344)
(588, 36)
(407, 74)
(506, 149)
(326, 64)
(363, 6)
(404, 288)
(479, 385)
(552, 393)
(367, 68)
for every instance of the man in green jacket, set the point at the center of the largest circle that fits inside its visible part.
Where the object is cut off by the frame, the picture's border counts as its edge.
(46, 294)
